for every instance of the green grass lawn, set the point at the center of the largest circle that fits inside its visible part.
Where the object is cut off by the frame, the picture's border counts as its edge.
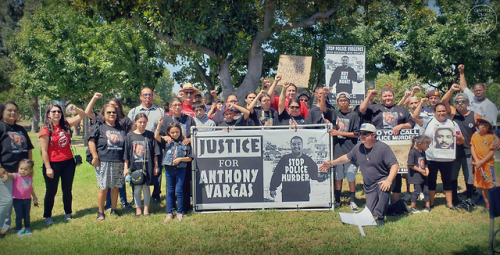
(275, 232)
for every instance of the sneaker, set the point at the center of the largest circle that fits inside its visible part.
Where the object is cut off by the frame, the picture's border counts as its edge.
(49, 221)
(179, 216)
(380, 222)
(127, 205)
(414, 210)
(114, 212)
(427, 210)
(27, 232)
(169, 217)
(453, 208)
(354, 206)
(67, 217)
(100, 216)
(20, 233)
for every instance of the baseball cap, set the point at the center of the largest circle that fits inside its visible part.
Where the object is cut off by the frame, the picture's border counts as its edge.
(343, 95)
(368, 127)
(433, 93)
(463, 95)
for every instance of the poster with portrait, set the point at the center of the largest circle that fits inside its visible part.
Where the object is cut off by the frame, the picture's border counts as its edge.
(259, 169)
(295, 69)
(345, 71)
(444, 142)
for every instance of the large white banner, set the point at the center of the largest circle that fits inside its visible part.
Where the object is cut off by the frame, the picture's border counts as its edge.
(345, 71)
(261, 168)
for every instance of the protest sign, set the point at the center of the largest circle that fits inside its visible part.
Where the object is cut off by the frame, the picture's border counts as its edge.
(295, 69)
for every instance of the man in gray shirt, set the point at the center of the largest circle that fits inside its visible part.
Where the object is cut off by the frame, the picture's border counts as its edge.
(378, 165)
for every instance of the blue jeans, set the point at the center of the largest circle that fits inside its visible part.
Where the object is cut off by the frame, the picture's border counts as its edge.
(5, 203)
(22, 208)
(175, 182)
(122, 193)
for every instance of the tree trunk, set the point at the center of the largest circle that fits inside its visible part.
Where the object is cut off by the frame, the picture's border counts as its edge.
(35, 114)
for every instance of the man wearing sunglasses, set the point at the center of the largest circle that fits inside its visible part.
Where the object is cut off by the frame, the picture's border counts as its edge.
(189, 93)
(466, 120)
(377, 164)
(154, 113)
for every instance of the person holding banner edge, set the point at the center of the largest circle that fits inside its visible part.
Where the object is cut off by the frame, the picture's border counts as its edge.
(378, 166)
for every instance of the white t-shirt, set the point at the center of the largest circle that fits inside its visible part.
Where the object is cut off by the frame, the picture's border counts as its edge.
(485, 108)
(443, 141)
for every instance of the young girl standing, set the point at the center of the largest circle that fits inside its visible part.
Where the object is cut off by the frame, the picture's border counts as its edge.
(418, 171)
(176, 154)
(482, 154)
(21, 194)
(141, 154)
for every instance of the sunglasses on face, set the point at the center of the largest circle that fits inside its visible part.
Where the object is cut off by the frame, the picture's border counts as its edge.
(364, 133)
(55, 111)
(294, 107)
(188, 92)
(147, 95)
(461, 101)
(109, 113)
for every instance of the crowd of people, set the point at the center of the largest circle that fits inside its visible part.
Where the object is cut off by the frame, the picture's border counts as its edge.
(150, 138)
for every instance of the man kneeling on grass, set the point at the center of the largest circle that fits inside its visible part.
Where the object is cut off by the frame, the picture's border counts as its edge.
(378, 165)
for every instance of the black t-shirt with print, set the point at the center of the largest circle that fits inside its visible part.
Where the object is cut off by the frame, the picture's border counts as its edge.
(264, 118)
(140, 150)
(15, 145)
(416, 158)
(284, 119)
(383, 117)
(109, 141)
(345, 122)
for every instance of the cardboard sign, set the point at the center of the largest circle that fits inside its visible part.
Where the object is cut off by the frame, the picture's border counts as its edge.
(295, 69)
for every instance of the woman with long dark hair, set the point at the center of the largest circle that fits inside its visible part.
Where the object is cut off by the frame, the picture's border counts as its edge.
(15, 145)
(58, 161)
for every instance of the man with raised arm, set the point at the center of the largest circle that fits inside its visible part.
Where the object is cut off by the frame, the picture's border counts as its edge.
(377, 164)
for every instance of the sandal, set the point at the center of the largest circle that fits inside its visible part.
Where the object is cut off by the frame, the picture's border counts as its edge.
(100, 216)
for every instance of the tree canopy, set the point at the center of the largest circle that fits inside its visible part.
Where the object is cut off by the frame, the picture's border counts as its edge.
(63, 54)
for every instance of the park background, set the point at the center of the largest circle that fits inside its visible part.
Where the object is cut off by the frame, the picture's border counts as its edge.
(66, 50)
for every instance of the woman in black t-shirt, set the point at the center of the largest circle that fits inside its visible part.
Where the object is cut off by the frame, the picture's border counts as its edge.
(15, 145)
(292, 116)
(263, 115)
(106, 142)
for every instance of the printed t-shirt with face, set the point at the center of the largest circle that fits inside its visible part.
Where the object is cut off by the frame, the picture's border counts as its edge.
(140, 150)
(109, 142)
(434, 153)
(374, 163)
(264, 118)
(284, 119)
(14, 145)
(387, 117)
(345, 122)
(416, 158)
(59, 144)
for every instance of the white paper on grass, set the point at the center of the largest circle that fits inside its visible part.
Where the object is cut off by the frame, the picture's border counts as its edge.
(363, 218)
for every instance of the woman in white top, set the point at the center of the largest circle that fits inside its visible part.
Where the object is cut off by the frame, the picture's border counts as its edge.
(441, 152)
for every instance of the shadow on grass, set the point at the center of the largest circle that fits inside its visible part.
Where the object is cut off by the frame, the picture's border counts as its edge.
(474, 249)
